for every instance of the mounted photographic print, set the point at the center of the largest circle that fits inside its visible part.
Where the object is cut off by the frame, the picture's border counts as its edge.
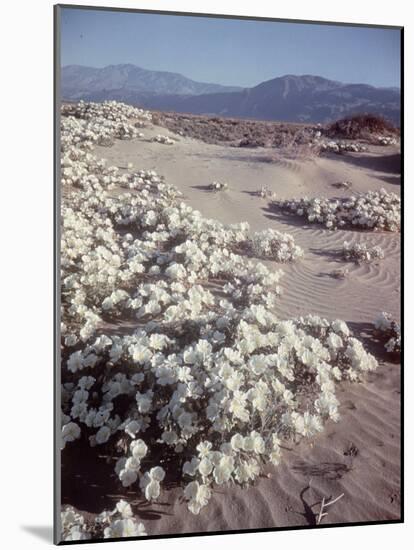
(228, 273)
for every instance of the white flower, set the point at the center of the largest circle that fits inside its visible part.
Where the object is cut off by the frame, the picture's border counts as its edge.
(184, 420)
(127, 477)
(76, 532)
(102, 435)
(258, 443)
(132, 428)
(224, 469)
(150, 482)
(169, 437)
(197, 495)
(176, 271)
(307, 425)
(205, 467)
(125, 528)
(86, 382)
(138, 448)
(144, 401)
(246, 471)
(141, 354)
(158, 341)
(71, 340)
(340, 327)
(74, 362)
(234, 381)
(190, 467)
(120, 465)
(204, 448)
(152, 490)
(157, 473)
(212, 411)
(133, 463)
(237, 442)
(70, 432)
(238, 406)
(334, 341)
(124, 509)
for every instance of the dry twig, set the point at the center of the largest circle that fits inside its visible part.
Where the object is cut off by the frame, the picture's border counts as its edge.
(324, 505)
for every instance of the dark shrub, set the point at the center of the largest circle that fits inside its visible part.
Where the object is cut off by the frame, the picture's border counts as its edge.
(360, 126)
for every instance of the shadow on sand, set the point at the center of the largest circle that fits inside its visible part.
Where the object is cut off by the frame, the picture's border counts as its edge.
(388, 164)
(332, 255)
(280, 215)
(368, 335)
(327, 470)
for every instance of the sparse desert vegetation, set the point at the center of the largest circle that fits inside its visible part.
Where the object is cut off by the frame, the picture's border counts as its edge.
(374, 210)
(218, 186)
(390, 332)
(361, 252)
(363, 126)
(234, 132)
(163, 139)
(350, 134)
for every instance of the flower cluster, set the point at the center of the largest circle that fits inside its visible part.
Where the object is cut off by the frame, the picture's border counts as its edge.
(361, 253)
(341, 147)
(265, 193)
(109, 110)
(389, 331)
(163, 139)
(101, 123)
(218, 186)
(378, 210)
(272, 244)
(120, 522)
(210, 381)
(386, 140)
(74, 525)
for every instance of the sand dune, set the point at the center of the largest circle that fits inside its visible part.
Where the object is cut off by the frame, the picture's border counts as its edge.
(360, 455)
(191, 166)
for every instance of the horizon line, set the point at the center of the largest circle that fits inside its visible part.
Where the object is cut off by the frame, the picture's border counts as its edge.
(230, 85)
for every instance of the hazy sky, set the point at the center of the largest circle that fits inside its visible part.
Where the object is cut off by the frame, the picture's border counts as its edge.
(229, 51)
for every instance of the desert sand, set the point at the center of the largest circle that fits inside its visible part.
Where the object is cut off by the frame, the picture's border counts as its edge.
(360, 455)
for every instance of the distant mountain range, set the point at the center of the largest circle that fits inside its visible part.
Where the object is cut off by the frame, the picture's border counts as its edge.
(78, 80)
(290, 98)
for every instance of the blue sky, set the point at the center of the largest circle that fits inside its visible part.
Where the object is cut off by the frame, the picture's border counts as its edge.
(229, 51)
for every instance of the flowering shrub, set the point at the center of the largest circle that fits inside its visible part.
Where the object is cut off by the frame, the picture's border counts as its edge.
(341, 146)
(390, 332)
(275, 245)
(359, 253)
(386, 140)
(100, 123)
(218, 186)
(117, 523)
(265, 193)
(109, 110)
(342, 184)
(373, 210)
(210, 382)
(163, 139)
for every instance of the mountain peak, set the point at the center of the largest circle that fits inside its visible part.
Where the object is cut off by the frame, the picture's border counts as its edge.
(79, 81)
(294, 98)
